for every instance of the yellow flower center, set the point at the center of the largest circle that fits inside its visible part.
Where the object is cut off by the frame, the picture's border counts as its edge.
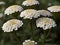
(12, 22)
(46, 21)
(29, 0)
(28, 12)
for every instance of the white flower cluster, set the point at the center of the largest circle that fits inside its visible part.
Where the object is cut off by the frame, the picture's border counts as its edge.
(54, 9)
(30, 2)
(44, 13)
(2, 3)
(29, 14)
(45, 23)
(29, 42)
(1, 15)
(13, 9)
(11, 25)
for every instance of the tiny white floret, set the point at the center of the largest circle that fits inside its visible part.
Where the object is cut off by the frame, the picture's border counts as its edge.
(45, 23)
(54, 9)
(13, 9)
(44, 13)
(11, 25)
(30, 2)
(29, 42)
(29, 14)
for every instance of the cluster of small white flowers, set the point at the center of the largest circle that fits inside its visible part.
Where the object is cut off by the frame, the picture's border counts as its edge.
(1, 15)
(45, 23)
(44, 13)
(54, 9)
(30, 2)
(11, 25)
(29, 14)
(29, 42)
(2, 3)
(13, 9)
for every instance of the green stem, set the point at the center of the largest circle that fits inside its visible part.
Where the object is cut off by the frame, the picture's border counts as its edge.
(43, 42)
(48, 33)
(43, 38)
(32, 29)
(16, 37)
(2, 42)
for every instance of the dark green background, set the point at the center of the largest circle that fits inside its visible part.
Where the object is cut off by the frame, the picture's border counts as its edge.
(25, 32)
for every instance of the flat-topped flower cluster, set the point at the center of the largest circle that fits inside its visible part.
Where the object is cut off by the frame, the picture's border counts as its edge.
(42, 22)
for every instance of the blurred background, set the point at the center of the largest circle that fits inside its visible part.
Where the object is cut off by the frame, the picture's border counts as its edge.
(17, 38)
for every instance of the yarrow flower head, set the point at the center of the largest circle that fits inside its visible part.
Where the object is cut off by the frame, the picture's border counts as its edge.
(2, 3)
(29, 42)
(11, 25)
(1, 15)
(54, 9)
(13, 9)
(30, 2)
(45, 23)
(29, 14)
(44, 13)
